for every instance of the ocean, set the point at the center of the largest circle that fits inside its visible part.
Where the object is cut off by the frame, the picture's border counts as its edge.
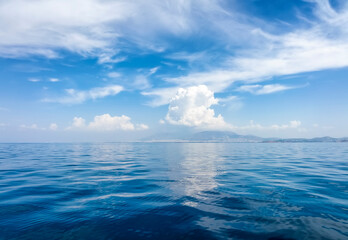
(174, 191)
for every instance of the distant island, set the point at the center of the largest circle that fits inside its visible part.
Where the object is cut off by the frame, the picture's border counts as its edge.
(230, 137)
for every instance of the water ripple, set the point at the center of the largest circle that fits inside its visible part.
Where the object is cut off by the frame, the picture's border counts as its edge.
(174, 191)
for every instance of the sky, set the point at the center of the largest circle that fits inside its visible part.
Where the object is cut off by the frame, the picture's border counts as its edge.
(117, 70)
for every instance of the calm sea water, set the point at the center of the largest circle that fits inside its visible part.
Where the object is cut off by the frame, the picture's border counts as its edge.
(174, 191)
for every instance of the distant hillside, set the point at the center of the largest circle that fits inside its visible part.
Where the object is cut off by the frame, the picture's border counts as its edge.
(319, 139)
(220, 136)
(227, 136)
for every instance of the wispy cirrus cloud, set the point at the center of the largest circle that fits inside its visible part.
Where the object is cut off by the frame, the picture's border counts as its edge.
(77, 26)
(34, 80)
(32, 126)
(53, 80)
(264, 89)
(94, 28)
(160, 96)
(319, 45)
(74, 96)
(114, 74)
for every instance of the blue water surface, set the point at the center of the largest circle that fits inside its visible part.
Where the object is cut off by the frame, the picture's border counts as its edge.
(174, 191)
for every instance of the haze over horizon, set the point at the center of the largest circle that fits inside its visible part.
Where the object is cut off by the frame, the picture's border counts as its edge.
(96, 70)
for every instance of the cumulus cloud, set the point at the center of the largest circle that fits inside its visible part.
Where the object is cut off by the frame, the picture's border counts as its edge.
(78, 122)
(192, 107)
(106, 122)
(79, 96)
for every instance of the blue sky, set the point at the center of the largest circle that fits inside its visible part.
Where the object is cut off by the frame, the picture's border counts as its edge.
(96, 70)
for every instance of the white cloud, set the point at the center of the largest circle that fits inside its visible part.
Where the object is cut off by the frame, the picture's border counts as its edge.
(192, 107)
(185, 56)
(93, 27)
(321, 45)
(98, 28)
(77, 96)
(228, 99)
(141, 82)
(25, 51)
(264, 89)
(106, 122)
(141, 126)
(233, 103)
(216, 80)
(33, 80)
(161, 96)
(38, 27)
(32, 126)
(153, 70)
(109, 58)
(53, 126)
(53, 80)
(114, 74)
(78, 122)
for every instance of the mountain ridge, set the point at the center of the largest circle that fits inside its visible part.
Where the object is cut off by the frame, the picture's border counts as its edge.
(229, 136)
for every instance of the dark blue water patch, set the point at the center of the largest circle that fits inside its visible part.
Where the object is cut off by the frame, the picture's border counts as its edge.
(233, 203)
(174, 191)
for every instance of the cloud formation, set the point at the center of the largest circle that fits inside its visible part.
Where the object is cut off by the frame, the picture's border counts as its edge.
(192, 107)
(321, 44)
(264, 89)
(54, 80)
(79, 96)
(53, 126)
(106, 122)
(93, 27)
(32, 126)
(33, 80)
